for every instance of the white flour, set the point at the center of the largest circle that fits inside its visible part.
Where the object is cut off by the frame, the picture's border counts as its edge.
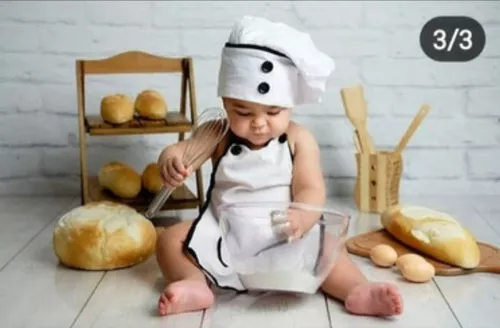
(281, 280)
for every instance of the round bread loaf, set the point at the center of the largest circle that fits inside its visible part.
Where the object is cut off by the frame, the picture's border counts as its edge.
(150, 104)
(120, 179)
(151, 178)
(103, 236)
(117, 108)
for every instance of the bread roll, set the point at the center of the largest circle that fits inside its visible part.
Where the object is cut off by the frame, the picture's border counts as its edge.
(433, 233)
(151, 178)
(120, 179)
(150, 104)
(103, 236)
(117, 108)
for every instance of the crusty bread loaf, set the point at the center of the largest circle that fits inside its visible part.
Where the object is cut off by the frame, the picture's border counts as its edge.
(103, 236)
(151, 178)
(150, 104)
(120, 179)
(433, 233)
(117, 108)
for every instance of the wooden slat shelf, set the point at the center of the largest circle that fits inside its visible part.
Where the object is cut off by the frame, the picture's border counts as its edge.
(182, 198)
(175, 122)
(128, 62)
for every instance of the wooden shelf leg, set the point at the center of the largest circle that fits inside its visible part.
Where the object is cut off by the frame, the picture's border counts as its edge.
(84, 183)
(194, 113)
(199, 189)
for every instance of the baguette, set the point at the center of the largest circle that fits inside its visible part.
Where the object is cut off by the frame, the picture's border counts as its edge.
(120, 179)
(433, 233)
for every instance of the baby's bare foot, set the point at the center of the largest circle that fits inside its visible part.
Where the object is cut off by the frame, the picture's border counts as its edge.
(377, 299)
(184, 296)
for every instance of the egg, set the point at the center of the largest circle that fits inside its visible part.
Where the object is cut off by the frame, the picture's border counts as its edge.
(410, 257)
(415, 270)
(383, 255)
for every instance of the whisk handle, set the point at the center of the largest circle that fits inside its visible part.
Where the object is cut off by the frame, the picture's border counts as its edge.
(160, 199)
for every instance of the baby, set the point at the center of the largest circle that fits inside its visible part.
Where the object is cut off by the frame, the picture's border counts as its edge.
(266, 69)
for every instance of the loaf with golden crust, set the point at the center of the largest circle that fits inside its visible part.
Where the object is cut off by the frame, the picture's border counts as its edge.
(433, 233)
(103, 236)
(120, 179)
(150, 104)
(151, 178)
(117, 108)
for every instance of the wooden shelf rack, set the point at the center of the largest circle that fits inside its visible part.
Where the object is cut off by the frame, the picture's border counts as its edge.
(132, 62)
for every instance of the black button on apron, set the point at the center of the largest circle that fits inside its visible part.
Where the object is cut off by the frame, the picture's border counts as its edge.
(236, 150)
(266, 66)
(282, 138)
(263, 87)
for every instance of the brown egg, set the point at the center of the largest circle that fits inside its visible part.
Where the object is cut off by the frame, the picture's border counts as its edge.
(406, 258)
(415, 270)
(383, 255)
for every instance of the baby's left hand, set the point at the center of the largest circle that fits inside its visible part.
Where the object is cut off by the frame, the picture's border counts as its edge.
(288, 223)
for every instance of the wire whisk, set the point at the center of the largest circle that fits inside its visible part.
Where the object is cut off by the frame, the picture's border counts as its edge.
(210, 127)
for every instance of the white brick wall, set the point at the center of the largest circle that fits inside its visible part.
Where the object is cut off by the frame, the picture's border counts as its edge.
(456, 150)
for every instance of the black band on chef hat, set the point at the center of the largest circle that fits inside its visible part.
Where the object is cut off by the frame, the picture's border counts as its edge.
(254, 46)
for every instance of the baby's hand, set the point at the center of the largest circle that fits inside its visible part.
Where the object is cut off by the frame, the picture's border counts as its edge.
(288, 223)
(173, 171)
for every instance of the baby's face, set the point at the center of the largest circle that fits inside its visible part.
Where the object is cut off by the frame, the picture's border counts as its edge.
(255, 122)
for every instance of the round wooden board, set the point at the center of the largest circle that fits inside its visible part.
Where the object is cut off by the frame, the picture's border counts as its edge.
(362, 244)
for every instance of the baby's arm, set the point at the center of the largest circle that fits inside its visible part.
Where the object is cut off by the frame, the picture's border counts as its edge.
(308, 185)
(199, 149)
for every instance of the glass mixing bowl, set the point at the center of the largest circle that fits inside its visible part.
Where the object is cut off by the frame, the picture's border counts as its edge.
(263, 256)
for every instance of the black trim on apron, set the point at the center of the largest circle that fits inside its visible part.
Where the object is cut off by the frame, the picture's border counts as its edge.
(233, 139)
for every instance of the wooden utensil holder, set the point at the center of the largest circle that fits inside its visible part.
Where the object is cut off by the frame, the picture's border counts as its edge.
(378, 179)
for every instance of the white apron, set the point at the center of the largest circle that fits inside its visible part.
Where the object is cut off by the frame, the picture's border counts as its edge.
(244, 175)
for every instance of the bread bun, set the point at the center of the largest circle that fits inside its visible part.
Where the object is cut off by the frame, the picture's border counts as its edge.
(120, 179)
(433, 233)
(103, 236)
(117, 108)
(151, 178)
(150, 104)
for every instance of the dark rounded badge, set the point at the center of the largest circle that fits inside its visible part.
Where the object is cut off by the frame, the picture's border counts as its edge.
(452, 38)
(263, 87)
(266, 66)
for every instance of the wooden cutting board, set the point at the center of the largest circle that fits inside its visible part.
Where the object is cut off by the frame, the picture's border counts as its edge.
(362, 244)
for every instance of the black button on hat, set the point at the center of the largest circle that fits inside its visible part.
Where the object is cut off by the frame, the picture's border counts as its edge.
(236, 150)
(263, 87)
(266, 66)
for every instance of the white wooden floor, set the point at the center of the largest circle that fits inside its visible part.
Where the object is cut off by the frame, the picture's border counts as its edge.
(36, 292)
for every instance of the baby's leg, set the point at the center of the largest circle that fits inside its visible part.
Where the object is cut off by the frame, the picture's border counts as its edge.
(187, 289)
(346, 283)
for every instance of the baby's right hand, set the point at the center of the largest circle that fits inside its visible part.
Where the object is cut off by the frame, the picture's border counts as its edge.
(173, 171)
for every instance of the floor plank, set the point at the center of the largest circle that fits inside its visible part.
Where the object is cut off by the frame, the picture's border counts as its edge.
(269, 310)
(480, 289)
(424, 305)
(23, 218)
(129, 298)
(35, 291)
(489, 209)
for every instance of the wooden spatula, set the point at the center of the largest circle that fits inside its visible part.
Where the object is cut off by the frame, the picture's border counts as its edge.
(412, 128)
(355, 108)
(357, 144)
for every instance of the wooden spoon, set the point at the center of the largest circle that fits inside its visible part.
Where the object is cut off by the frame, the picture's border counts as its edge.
(355, 108)
(412, 128)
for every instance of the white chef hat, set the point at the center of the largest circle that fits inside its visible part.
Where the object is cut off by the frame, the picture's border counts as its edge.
(273, 64)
